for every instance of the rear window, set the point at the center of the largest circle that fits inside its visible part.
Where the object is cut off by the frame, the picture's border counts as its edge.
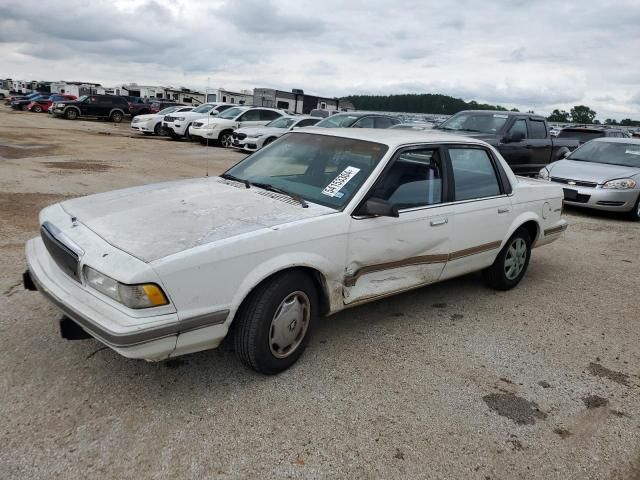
(581, 135)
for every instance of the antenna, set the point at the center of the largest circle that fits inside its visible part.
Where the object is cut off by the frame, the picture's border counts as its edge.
(206, 97)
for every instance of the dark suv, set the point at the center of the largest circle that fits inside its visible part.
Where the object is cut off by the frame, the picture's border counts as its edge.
(584, 134)
(111, 107)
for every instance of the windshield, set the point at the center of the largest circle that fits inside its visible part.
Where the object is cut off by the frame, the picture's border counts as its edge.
(283, 122)
(83, 98)
(167, 110)
(231, 113)
(338, 121)
(202, 108)
(475, 122)
(581, 135)
(611, 153)
(321, 169)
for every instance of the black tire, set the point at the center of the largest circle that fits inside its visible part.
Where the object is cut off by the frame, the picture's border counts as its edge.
(187, 132)
(500, 276)
(37, 108)
(634, 214)
(158, 129)
(226, 139)
(268, 141)
(255, 332)
(71, 114)
(116, 117)
(24, 108)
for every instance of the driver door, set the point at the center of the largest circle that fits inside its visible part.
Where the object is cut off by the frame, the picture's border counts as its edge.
(386, 255)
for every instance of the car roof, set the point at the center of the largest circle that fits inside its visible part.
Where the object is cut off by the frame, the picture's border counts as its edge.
(393, 137)
(361, 114)
(628, 141)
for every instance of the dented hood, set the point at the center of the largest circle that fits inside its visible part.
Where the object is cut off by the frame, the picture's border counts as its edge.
(154, 221)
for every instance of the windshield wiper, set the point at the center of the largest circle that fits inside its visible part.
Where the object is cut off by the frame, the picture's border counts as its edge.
(228, 176)
(271, 188)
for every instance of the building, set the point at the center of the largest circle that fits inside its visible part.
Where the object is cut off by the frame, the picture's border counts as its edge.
(77, 88)
(245, 97)
(183, 95)
(143, 91)
(296, 101)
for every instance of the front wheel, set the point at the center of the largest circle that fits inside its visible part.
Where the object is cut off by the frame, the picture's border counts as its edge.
(37, 108)
(511, 263)
(157, 129)
(226, 139)
(71, 114)
(116, 117)
(275, 322)
(24, 108)
(634, 214)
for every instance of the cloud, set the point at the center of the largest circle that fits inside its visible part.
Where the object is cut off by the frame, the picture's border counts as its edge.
(531, 55)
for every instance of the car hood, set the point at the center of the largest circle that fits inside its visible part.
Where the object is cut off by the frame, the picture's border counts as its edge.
(148, 116)
(190, 115)
(155, 221)
(590, 172)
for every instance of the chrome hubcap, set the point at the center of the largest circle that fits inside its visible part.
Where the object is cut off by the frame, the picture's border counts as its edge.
(289, 324)
(515, 259)
(226, 140)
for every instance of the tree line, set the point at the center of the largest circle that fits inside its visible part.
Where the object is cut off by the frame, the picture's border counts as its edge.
(446, 105)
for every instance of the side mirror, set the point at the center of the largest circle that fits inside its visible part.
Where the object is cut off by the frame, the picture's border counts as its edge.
(214, 112)
(566, 154)
(515, 137)
(379, 208)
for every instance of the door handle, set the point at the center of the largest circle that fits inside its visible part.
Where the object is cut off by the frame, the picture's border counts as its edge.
(504, 210)
(440, 221)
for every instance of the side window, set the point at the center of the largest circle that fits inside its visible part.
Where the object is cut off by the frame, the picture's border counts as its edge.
(537, 129)
(308, 122)
(473, 174)
(268, 115)
(414, 180)
(366, 122)
(520, 126)
(382, 122)
(250, 116)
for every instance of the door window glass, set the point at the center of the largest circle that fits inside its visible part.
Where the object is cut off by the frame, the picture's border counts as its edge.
(268, 115)
(366, 122)
(250, 116)
(473, 174)
(520, 126)
(538, 129)
(383, 122)
(414, 180)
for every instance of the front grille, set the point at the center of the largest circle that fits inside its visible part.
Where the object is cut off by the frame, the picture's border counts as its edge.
(609, 204)
(579, 198)
(65, 257)
(169, 118)
(577, 183)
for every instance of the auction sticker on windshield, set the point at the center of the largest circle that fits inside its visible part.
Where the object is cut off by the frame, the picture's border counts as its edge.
(632, 152)
(340, 181)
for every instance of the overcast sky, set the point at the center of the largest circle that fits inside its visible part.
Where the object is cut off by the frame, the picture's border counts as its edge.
(524, 53)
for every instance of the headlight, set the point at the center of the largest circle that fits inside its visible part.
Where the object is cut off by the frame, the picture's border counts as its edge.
(136, 120)
(60, 105)
(544, 174)
(133, 296)
(621, 184)
(180, 119)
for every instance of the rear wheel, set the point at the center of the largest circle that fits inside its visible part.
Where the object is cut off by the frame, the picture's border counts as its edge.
(116, 117)
(24, 108)
(71, 114)
(634, 214)
(226, 139)
(37, 108)
(511, 263)
(275, 322)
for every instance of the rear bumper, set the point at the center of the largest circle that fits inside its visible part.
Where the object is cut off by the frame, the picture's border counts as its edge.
(153, 338)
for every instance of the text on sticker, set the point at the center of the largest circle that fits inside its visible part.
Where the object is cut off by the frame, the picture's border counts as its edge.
(340, 181)
(632, 152)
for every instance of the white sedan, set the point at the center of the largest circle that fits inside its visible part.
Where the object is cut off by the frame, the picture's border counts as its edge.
(151, 124)
(322, 220)
(220, 129)
(250, 139)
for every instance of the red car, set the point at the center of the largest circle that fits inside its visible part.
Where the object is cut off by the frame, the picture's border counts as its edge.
(43, 105)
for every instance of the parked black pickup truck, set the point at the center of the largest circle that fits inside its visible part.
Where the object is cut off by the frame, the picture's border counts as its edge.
(523, 139)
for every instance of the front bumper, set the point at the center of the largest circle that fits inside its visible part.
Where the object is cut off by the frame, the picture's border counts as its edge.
(143, 126)
(175, 128)
(204, 133)
(150, 338)
(601, 199)
(248, 144)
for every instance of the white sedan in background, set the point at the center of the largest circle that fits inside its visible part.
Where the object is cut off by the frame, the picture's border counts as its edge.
(250, 139)
(220, 128)
(322, 220)
(151, 124)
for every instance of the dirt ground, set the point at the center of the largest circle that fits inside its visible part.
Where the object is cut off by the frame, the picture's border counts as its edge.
(450, 381)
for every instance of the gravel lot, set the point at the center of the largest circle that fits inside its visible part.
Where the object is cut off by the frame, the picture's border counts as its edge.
(449, 381)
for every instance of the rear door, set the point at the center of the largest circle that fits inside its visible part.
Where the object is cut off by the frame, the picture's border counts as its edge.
(540, 144)
(481, 209)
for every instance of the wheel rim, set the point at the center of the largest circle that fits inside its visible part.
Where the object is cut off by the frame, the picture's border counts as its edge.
(116, 117)
(226, 140)
(72, 114)
(289, 324)
(515, 259)
(37, 109)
